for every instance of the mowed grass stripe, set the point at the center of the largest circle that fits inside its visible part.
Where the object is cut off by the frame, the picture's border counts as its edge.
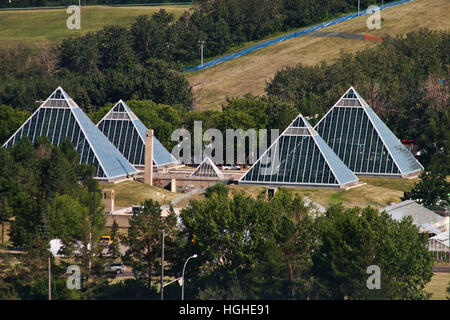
(36, 25)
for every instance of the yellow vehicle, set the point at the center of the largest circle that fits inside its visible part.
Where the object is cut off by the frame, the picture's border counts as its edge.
(105, 240)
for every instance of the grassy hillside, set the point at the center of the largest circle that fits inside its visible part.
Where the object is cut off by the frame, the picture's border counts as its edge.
(250, 73)
(35, 25)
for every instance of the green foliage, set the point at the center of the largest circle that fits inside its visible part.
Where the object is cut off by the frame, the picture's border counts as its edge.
(45, 3)
(352, 240)
(129, 289)
(433, 189)
(10, 120)
(279, 249)
(46, 196)
(219, 189)
(113, 249)
(144, 239)
(248, 248)
(448, 291)
(142, 62)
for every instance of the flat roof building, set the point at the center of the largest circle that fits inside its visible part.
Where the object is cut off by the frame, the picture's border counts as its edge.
(363, 142)
(426, 220)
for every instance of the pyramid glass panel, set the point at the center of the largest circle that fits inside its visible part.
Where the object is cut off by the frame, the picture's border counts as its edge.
(299, 157)
(207, 169)
(60, 117)
(362, 141)
(121, 126)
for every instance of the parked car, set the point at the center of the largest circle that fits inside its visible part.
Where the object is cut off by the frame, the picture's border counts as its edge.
(231, 167)
(115, 267)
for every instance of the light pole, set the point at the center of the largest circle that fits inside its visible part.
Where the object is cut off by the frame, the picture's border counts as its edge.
(49, 278)
(162, 266)
(201, 43)
(182, 277)
(358, 8)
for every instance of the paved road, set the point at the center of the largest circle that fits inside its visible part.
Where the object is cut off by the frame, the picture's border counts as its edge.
(441, 269)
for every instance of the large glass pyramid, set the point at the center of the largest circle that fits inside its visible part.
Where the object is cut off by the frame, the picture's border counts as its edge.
(121, 126)
(363, 142)
(300, 157)
(207, 169)
(59, 117)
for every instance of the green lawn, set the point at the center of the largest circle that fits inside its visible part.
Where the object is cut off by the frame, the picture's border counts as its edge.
(129, 193)
(377, 192)
(36, 25)
(438, 286)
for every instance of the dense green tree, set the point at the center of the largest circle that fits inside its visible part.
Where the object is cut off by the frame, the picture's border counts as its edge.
(351, 240)
(113, 249)
(433, 189)
(248, 248)
(10, 120)
(144, 240)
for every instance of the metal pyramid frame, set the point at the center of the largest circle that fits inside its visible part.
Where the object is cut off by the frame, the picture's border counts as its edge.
(299, 157)
(363, 142)
(207, 169)
(59, 117)
(124, 129)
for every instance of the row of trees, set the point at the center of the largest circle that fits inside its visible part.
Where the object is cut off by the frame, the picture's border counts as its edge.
(142, 62)
(223, 24)
(31, 74)
(48, 195)
(248, 248)
(279, 249)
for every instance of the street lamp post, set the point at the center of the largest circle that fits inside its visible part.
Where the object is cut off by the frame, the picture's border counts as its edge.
(201, 43)
(162, 266)
(182, 277)
(49, 278)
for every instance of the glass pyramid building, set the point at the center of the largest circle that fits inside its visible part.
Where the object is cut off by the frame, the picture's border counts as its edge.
(121, 126)
(363, 142)
(207, 169)
(300, 157)
(59, 117)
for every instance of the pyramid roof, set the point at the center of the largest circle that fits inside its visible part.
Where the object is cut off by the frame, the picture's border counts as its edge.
(127, 132)
(207, 169)
(362, 140)
(59, 117)
(299, 156)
